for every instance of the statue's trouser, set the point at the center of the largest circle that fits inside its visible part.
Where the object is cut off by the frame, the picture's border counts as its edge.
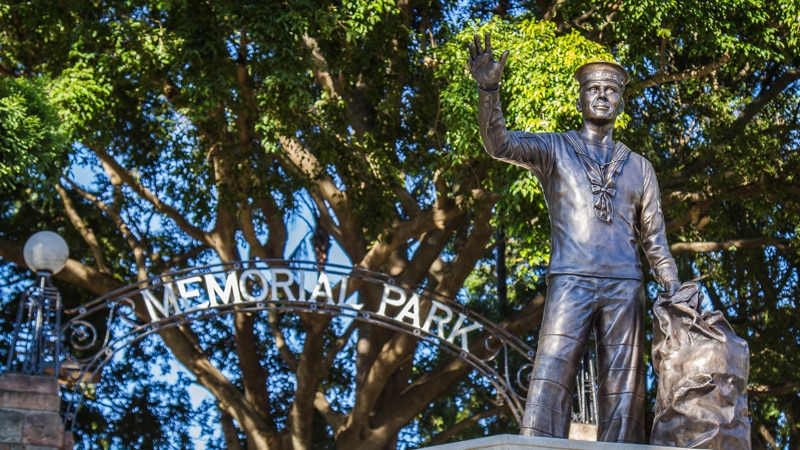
(615, 307)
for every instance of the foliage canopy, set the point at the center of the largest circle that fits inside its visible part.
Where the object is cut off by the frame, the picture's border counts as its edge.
(155, 135)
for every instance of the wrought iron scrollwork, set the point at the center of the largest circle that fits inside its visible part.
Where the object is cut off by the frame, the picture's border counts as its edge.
(81, 335)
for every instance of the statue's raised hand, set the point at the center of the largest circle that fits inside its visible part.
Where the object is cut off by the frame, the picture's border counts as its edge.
(486, 71)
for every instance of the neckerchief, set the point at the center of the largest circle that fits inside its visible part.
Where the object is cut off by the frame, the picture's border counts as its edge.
(601, 176)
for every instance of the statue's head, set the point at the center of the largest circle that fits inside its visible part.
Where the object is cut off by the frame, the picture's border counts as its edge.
(602, 84)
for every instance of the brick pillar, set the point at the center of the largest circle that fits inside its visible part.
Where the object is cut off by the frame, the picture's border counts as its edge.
(29, 413)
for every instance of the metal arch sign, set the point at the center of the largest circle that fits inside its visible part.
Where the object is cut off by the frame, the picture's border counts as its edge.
(103, 327)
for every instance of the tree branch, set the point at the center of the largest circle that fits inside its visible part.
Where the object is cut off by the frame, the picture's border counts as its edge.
(432, 218)
(705, 247)
(333, 418)
(466, 257)
(320, 67)
(229, 431)
(563, 27)
(549, 9)
(406, 200)
(766, 94)
(329, 223)
(280, 341)
(153, 199)
(662, 76)
(257, 249)
(277, 234)
(338, 345)
(301, 413)
(7, 71)
(429, 249)
(222, 237)
(774, 390)
(73, 272)
(85, 231)
(716, 302)
(160, 264)
(395, 352)
(764, 432)
(304, 162)
(231, 400)
(133, 242)
(254, 376)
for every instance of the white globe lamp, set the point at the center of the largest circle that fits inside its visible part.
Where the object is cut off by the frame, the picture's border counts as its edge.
(45, 251)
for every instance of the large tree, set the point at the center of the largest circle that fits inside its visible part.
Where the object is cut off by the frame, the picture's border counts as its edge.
(203, 127)
(199, 133)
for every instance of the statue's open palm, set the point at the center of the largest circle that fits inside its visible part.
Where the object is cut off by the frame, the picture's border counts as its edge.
(486, 71)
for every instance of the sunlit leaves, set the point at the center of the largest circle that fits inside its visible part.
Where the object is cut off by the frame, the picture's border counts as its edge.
(83, 95)
(31, 141)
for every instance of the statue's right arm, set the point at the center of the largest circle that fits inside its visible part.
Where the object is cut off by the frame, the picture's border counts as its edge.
(496, 138)
(528, 150)
(523, 149)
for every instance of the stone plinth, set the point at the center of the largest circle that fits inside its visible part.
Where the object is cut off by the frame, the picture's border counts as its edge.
(582, 431)
(514, 442)
(29, 413)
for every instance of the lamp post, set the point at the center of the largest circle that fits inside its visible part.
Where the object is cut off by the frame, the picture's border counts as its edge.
(35, 343)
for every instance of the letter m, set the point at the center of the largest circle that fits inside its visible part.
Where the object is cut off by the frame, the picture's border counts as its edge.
(160, 310)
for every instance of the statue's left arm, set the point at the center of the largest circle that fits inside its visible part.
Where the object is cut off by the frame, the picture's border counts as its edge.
(653, 234)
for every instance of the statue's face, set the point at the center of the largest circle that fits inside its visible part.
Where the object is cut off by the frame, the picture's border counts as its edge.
(600, 101)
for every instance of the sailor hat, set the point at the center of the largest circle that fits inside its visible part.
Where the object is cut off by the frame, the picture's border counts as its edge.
(602, 71)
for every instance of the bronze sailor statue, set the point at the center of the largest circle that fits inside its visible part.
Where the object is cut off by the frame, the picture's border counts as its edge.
(604, 205)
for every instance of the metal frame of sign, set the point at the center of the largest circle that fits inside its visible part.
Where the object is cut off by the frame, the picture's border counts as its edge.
(96, 331)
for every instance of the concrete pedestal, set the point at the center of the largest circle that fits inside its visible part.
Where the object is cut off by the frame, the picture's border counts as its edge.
(29, 413)
(515, 442)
